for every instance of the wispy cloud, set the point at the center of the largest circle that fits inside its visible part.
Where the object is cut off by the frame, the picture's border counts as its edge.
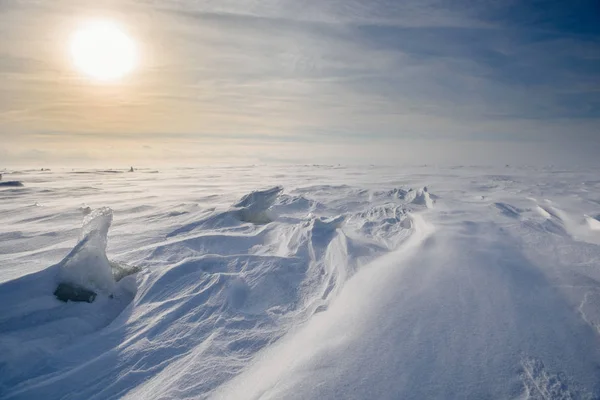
(333, 71)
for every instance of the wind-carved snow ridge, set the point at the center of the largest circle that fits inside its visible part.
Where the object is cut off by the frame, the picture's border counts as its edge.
(254, 206)
(246, 276)
(420, 196)
(336, 284)
(87, 264)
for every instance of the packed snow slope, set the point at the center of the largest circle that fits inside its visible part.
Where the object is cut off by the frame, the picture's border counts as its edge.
(301, 282)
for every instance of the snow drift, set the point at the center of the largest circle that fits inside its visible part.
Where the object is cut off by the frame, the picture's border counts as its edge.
(328, 283)
(396, 327)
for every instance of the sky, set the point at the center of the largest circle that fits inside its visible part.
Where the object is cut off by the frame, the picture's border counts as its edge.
(312, 81)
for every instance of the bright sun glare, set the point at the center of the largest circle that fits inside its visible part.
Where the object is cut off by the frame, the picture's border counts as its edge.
(103, 51)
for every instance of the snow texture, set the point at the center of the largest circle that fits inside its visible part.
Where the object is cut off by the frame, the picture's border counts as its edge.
(302, 282)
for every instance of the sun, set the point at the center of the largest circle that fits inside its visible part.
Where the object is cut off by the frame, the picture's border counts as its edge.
(102, 51)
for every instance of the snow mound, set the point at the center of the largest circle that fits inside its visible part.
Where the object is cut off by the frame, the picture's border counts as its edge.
(259, 199)
(225, 290)
(327, 225)
(287, 204)
(398, 193)
(386, 225)
(87, 264)
(419, 197)
(341, 286)
(254, 206)
(389, 332)
(85, 210)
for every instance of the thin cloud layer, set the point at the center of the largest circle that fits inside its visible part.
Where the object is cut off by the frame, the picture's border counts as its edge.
(340, 73)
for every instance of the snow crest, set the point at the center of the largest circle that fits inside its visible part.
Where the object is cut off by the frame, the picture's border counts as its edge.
(302, 282)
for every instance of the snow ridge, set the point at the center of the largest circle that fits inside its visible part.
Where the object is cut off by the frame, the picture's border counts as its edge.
(301, 282)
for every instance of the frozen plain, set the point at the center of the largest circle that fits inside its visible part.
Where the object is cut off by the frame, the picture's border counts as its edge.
(302, 282)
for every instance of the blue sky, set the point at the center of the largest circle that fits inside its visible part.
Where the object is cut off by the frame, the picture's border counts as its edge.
(311, 81)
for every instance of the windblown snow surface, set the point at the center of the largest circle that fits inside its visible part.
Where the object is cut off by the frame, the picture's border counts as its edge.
(303, 282)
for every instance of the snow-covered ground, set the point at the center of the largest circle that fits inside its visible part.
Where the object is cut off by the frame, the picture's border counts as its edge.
(302, 282)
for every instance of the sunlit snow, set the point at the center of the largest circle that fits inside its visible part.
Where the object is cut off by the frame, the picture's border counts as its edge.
(301, 282)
